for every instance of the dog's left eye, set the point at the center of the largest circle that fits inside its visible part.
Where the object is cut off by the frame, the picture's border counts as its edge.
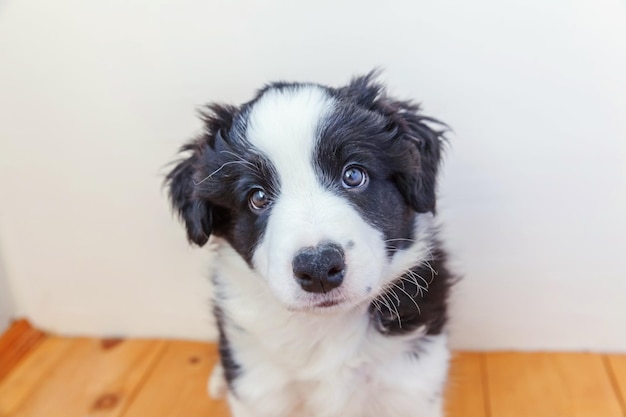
(353, 177)
(258, 199)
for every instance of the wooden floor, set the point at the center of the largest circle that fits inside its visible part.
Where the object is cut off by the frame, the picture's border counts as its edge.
(46, 376)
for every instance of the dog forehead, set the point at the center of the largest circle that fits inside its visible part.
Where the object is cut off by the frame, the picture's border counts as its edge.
(284, 123)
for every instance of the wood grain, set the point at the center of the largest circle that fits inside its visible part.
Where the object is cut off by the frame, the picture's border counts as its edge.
(30, 373)
(16, 343)
(616, 366)
(550, 385)
(177, 387)
(466, 394)
(88, 378)
(140, 378)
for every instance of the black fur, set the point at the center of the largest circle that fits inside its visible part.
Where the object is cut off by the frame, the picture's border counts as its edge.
(209, 189)
(400, 153)
(416, 299)
(196, 214)
(397, 145)
(417, 145)
(227, 359)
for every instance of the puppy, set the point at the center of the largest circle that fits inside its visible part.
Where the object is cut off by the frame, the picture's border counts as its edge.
(330, 283)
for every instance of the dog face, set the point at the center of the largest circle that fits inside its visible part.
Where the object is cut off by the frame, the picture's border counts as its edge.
(316, 188)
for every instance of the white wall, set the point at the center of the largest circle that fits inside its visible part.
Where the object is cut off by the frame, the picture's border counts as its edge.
(96, 96)
(7, 305)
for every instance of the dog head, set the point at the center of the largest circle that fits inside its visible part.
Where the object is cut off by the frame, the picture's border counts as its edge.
(318, 189)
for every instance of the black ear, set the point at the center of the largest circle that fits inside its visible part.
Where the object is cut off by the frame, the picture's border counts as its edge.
(422, 144)
(194, 212)
(188, 178)
(419, 185)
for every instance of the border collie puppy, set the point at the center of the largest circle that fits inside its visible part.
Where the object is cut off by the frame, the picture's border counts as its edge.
(330, 283)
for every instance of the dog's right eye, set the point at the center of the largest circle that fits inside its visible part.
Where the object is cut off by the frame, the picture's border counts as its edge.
(258, 199)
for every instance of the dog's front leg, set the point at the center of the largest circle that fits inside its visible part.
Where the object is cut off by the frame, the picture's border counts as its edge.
(217, 385)
(237, 408)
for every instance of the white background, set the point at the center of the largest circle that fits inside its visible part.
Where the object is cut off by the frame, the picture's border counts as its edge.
(95, 98)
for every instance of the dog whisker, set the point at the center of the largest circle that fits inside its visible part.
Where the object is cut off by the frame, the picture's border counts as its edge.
(401, 239)
(394, 308)
(384, 301)
(396, 296)
(377, 306)
(411, 298)
(433, 272)
(238, 157)
(416, 275)
(411, 276)
(215, 172)
(418, 288)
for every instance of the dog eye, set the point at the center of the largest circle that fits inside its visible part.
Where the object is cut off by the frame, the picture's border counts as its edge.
(258, 199)
(353, 177)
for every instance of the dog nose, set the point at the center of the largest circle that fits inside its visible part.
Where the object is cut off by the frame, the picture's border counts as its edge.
(321, 268)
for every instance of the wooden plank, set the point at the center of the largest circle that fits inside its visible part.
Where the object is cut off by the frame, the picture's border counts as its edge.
(95, 378)
(20, 339)
(465, 396)
(177, 386)
(550, 385)
(617, 369)
(115, 378)
(30, 372)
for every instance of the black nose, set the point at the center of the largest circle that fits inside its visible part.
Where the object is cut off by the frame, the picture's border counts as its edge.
(321, 268)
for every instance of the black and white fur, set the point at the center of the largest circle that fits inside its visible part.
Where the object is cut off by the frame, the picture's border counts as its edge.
(274, 179)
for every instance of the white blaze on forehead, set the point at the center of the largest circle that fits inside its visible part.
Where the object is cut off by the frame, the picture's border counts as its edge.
(283, 124)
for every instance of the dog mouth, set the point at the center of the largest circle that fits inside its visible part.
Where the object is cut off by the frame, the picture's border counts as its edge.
(327, 303)
(334, 301)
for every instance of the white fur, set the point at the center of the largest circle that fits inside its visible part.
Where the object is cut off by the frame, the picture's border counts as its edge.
(298, 364)
(283, 125)
(295, 360)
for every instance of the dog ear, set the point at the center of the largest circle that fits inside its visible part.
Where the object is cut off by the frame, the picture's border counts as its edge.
(198, 214)
(418, 183)
(422, 144)
(194, 212)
